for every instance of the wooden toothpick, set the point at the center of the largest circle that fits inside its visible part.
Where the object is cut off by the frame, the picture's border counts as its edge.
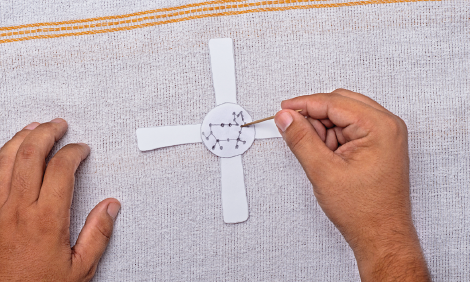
(264, 119)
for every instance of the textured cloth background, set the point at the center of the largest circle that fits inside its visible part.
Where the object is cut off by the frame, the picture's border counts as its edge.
(413, 58)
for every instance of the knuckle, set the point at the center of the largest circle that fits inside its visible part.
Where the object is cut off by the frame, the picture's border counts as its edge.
(391, 123)
(395, 125)
(104, 231)
(17, 216)
(335, 96)
(297, 139)
(28, 151)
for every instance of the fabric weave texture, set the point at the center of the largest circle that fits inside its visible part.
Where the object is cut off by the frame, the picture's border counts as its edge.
(413, 58)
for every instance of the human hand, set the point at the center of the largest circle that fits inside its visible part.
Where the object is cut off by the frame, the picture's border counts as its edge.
(355, 153)
(35, 210)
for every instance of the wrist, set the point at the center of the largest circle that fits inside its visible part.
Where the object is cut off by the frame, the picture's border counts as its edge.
(392, 253)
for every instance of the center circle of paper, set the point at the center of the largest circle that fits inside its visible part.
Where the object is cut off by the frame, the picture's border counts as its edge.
(221, 132)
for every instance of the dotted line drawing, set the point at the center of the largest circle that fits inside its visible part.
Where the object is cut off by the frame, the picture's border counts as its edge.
(230, 124)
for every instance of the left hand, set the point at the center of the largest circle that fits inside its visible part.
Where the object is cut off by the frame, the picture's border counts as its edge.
(35, 205)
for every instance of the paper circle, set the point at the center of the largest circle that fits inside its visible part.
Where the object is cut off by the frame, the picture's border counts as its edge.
(221, 132)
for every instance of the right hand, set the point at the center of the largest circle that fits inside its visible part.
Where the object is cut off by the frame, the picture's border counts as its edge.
(355, 153)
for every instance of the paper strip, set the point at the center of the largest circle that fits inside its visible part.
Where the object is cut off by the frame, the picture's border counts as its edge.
(164, 136)
(267, 129)
(234, 202)
(223, 70)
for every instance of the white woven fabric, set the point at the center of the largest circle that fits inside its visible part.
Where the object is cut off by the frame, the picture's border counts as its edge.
(413, 58)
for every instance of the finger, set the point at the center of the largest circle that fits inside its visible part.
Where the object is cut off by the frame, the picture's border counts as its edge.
(327, 123)
(364, 99)
(304, 142)
(28, 170)
(331, 141)
(342, 111)
(339, 135)
(7, 160)
(319, 128)
(94, 237)
(59, 178)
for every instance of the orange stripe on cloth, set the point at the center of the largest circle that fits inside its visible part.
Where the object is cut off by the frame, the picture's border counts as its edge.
(98, 26)
(122, 16)
(128, 20)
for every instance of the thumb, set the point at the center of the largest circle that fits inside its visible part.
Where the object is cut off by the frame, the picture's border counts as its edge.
(94, 237)
(304, 142)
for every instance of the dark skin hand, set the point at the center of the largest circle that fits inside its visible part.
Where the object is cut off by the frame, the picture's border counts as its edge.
(355, 154)
(35, 205)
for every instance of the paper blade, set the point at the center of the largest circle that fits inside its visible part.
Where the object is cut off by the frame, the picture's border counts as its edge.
(234, 202)
(165, 136)
(267, 129)
(223, 70)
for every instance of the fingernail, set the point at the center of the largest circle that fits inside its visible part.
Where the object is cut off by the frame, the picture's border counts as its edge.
(284, 120)
(57, 120)
(32, 125)
(113, 209)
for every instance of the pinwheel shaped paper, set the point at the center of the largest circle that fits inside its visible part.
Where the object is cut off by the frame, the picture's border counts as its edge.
(220, 132)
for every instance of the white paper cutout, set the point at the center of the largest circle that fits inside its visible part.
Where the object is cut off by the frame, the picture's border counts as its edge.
(223, 70)
(221, 131)
(267, 129)
(234, 202)
(164, 136)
